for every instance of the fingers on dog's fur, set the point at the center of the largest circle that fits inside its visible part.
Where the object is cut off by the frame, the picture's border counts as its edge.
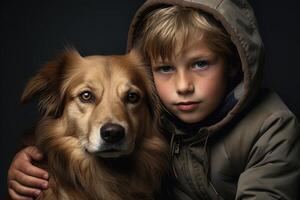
(30, 181)
(18, 191)
(45, 85)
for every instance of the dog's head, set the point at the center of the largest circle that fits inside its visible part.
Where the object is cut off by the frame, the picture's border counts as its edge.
(106, 102)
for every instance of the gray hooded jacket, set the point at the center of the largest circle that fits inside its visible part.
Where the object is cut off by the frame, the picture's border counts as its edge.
(253, 150)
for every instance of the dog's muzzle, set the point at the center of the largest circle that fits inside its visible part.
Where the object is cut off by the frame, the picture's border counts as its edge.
(110, 142)
(114, 141)
(112, 133)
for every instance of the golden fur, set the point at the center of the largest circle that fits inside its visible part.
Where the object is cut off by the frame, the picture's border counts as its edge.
(78, 96)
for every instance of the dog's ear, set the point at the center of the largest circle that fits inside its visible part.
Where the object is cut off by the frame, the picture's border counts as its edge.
(153, 102)
(45, 86)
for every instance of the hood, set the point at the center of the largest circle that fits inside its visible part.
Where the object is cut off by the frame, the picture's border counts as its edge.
(239, 21)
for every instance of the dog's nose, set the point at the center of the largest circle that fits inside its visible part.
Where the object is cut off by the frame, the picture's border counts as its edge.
(112, 133)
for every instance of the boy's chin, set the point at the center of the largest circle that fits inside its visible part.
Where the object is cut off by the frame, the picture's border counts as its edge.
(191, 118)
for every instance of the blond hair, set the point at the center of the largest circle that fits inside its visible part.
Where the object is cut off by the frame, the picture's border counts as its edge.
(167, 29)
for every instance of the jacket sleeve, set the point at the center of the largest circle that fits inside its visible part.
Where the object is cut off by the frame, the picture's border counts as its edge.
(273, 167)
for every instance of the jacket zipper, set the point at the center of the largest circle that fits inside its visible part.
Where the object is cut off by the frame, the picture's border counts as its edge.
(177, 147)
(175, 150)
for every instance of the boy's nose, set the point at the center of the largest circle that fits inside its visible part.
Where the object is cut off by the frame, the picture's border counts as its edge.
(184, 84)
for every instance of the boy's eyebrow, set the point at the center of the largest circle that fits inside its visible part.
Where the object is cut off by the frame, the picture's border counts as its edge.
(156, 65)
(189, 59)
(201, 55)
(160, 62)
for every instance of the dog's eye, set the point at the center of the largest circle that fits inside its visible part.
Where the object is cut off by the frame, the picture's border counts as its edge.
(86, 97)
(132, 97)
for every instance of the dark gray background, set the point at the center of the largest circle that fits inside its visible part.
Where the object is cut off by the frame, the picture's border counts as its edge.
(33, 32)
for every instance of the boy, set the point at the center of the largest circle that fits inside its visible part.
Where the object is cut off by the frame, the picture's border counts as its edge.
(229, 139)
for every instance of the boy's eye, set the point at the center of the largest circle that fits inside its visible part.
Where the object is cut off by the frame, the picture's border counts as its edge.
(164, 69)
(201, 64)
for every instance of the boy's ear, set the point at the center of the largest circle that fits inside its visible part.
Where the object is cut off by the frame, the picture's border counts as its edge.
(45, 86)
(233, 71)
(234, 66)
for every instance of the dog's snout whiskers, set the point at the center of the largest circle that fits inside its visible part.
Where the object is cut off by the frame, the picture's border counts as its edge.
(112, 133)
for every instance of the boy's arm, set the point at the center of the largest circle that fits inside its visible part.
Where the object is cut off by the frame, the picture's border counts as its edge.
(273, 167)
(24, 179)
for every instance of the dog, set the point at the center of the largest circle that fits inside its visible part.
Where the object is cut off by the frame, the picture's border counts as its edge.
(98, 127)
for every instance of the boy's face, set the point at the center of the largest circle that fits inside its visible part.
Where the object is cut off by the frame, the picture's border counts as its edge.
(193, 84)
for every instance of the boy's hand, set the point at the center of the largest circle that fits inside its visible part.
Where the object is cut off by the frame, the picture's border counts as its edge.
(25, 180)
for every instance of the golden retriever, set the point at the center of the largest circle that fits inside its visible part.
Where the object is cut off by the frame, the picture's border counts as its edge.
(98, 128)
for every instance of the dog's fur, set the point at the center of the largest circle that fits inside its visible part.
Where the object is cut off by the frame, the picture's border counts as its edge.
(78, 96)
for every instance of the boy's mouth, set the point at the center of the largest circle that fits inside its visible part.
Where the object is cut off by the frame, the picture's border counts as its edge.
(187, 106)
